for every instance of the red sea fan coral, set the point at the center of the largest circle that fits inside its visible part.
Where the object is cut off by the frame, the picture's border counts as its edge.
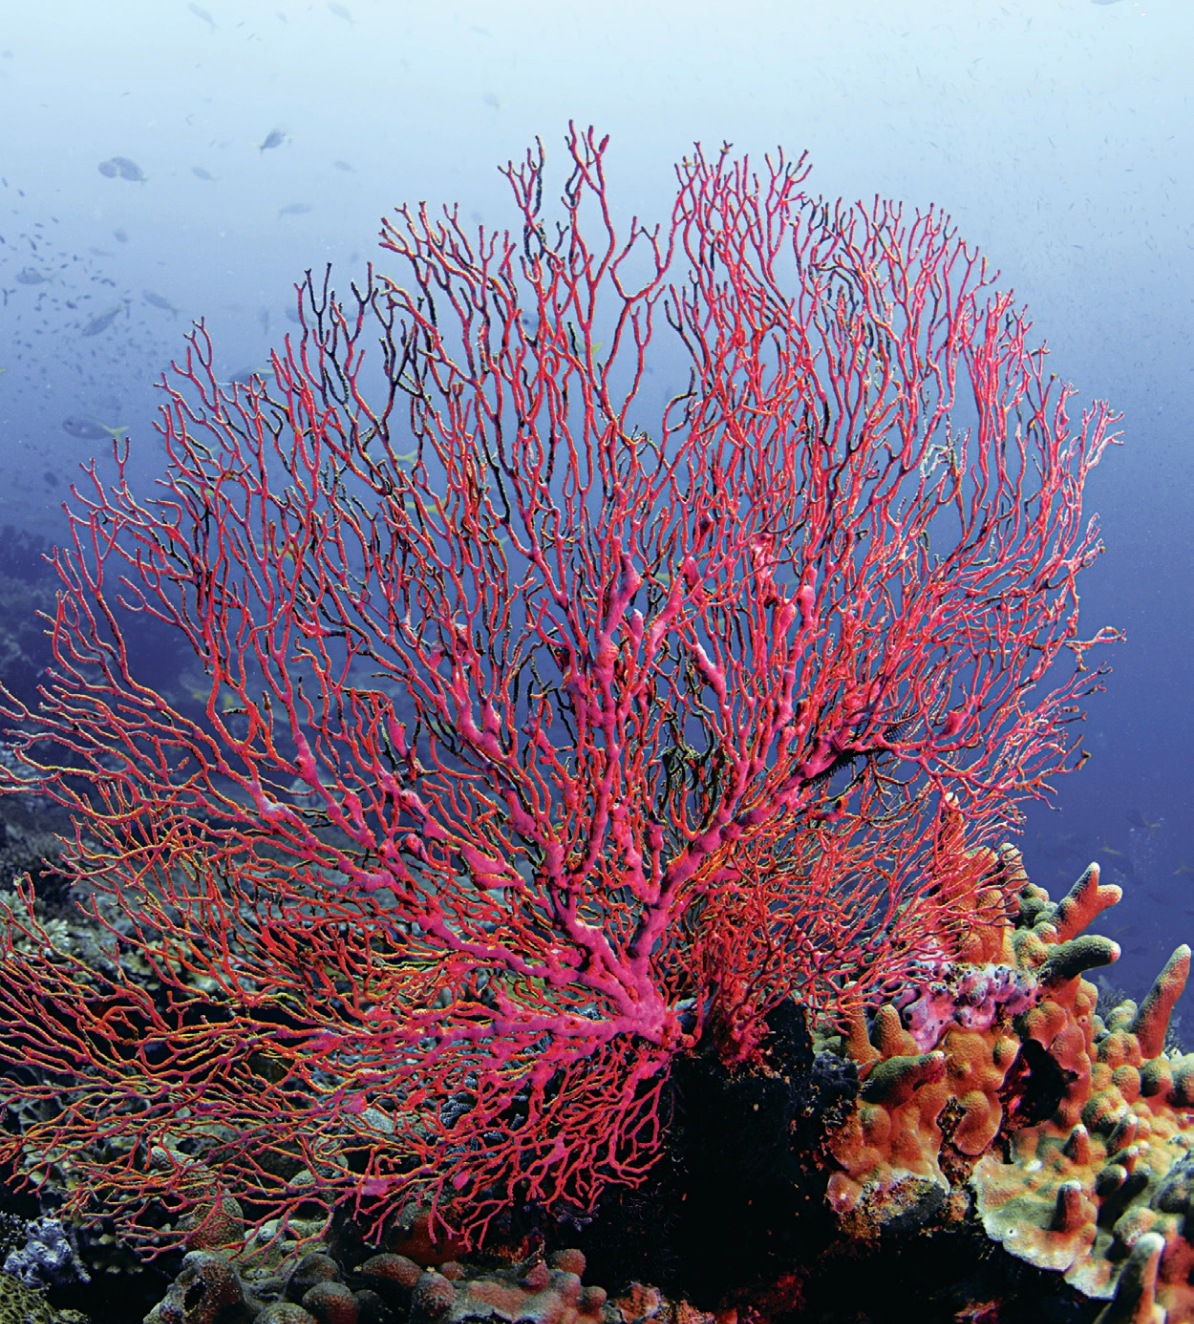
(592, 630)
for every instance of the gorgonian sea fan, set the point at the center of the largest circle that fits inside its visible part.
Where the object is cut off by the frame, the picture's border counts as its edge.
(551, 718)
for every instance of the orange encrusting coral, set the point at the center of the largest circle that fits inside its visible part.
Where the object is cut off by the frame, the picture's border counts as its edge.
(1093, 1175)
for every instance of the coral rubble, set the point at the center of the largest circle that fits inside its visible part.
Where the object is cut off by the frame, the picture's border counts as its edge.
(539, 1290)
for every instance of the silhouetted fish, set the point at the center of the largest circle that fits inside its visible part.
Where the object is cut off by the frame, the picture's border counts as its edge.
(30, 276)
(200, 173)
(84, 429)
(159, 301)
(122, 166)
(246, 376)
(129, 169)
(295, 209)
(201, 13)
(102, 321)
(275, 138)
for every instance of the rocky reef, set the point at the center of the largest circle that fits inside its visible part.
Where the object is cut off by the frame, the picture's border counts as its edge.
(984, 1130)
(992, 1089)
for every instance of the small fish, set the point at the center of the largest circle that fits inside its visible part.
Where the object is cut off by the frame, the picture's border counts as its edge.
(263, 319)
(30, 276)
(203, 15)
(129, 169)
(120, 236)
(275, 138)
(109, 169)
(247, 377)
(295, 209)
(343, 165)
(159, 301)
(102, 321)
(200, 173)
(341, 12)
(87, 429)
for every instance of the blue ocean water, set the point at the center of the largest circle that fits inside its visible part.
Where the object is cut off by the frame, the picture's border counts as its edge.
(164, 162)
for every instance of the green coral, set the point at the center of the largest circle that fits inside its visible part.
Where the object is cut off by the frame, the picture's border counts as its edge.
(22, 1305)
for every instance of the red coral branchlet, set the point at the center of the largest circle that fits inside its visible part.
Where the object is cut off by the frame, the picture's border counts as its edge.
(564, 700)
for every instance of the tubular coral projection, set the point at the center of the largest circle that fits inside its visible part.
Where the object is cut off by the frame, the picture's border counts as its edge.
(603, 640)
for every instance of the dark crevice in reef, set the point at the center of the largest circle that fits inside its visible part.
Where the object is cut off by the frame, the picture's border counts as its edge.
(734, 1214)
